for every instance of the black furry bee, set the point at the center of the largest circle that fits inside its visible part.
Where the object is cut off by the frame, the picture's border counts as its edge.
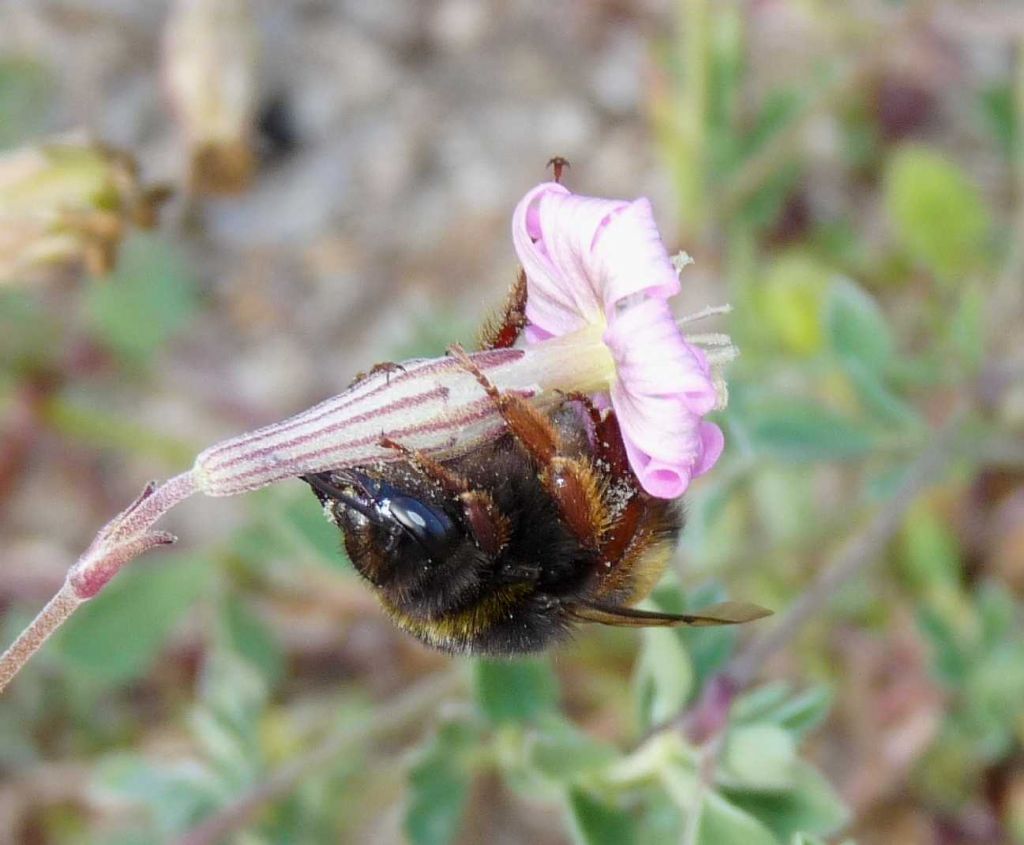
(502, 550)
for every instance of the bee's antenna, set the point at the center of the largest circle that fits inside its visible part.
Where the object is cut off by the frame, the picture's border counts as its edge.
(325, 490)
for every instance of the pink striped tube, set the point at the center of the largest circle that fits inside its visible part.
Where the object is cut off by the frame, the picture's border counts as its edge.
(432, 405)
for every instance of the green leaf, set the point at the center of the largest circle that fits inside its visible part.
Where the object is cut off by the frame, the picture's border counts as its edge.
(439, 786)
(147, 298)
(950, 659)
(245, 633)
(1000, 113)
(930, 554)
(663, 678)
(26, 89)
(758, 703)
(515, 691)
(307, 518)
(806, 839)
(661, 822)
(597, 823)
(564, 753)
(758, 757)
(967, 325)
(877, 397)
(228, 719)
(857, 329)
(937, 214)
(175, 794)
(997, 612)
(724, 823)
(811, 806)
(789, 303)
(116, 636)
(804, 712)
(802, 431)
(885, 482)
(784, 498)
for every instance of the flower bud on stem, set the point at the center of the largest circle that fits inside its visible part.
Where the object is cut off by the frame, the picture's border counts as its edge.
(121, 540)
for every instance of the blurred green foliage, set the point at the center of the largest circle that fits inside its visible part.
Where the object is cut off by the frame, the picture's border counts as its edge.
(937, 214)
(146, 299)
(25, 91)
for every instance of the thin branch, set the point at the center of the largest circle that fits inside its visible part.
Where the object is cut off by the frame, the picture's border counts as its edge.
(856, 555)
(388, 719)
(709, 716)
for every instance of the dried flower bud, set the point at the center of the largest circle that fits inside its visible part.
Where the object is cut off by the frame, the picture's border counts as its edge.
(210, 73)
(68, 202)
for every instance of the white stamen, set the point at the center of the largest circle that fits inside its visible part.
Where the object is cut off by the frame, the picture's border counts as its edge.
(709, 339)
(721, 392)
(681, 260)
(718, 357)
(704, 313)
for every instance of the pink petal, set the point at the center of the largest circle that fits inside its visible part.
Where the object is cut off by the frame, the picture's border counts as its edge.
(659, 426)
(660, 479)
(712, 443)
(569, 226)
(535, 334)
(594, 261)
(584, 255)
(630, 258)
(653, 359)
(668, 477)
(551, 304)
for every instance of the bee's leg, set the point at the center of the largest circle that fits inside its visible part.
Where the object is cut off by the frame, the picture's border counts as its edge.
(610, 455)
(528, 425)
(451, 482)
(489, 526)
(571, 482)
(388, 367)
(628, 517)
(607, 439)
(502, 330)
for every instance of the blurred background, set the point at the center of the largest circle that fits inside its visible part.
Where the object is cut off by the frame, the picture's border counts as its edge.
(214, 214)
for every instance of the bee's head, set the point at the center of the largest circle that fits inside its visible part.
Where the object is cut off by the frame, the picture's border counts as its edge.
(390, 532)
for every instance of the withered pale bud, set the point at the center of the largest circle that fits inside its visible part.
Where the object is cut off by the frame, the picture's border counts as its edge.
(210, 74)
(68, 202)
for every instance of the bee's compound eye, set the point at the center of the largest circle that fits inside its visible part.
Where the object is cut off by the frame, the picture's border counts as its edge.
(431, 527)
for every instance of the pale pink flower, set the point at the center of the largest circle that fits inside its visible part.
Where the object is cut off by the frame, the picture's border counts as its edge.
(598, 284)
(599, 280)
(597, 266)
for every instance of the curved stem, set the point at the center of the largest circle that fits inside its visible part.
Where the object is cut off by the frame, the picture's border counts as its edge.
(120, 541)
(859, 552)
(49, 619)
(406, 710)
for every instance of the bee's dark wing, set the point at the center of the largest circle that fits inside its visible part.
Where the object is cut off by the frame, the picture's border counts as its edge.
(726, 613)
